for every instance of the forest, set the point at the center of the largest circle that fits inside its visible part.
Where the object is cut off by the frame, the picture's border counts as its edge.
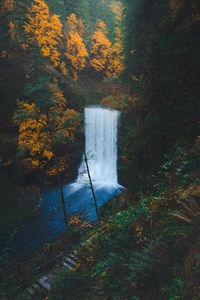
(137, 62)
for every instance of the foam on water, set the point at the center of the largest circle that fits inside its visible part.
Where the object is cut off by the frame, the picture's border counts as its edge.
(101, 149)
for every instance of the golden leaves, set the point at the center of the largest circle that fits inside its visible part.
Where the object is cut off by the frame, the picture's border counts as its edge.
(40, 130)
(76, 51)
(105, 56)
(75, 25)
(11, 30)
(45, 29)
(117, 8)
(133, 99)
(58, 98)
(63, 69)
(101, 47)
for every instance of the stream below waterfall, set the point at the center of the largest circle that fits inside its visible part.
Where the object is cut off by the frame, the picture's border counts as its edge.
(101, 150)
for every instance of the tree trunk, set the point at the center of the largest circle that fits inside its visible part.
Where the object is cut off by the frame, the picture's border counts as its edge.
(91, 185)
(58, 172)
(61, 193)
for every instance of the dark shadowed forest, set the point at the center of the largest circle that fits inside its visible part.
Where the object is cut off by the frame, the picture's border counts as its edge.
(141, 57)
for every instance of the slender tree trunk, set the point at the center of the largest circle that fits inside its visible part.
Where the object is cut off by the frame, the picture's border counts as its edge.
(61, 193)
(58, 174)
(91, 185)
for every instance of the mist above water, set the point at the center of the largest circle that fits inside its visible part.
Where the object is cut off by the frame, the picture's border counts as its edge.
(100, 147)
(101, 150)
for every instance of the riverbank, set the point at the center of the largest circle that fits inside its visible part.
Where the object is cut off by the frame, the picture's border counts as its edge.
(19, 205)
(148, 246)
(18, 274)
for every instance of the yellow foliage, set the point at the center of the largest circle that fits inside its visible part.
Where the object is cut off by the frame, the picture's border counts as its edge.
(76, 51)
(117, 8)
(58, 99)
(38, 130)
(75, 25)
(116, 66)
(133, 99)
(102, 25)
(45, 29)
(11, 30)
(48, 154)
(115, 61)
(63, 69)
(101, 47)
(105, 56)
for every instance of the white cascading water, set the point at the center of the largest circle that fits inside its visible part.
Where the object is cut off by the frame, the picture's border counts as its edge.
(100, 147)
(101, 150)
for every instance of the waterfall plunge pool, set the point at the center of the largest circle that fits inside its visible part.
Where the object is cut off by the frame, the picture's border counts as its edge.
(101, 149)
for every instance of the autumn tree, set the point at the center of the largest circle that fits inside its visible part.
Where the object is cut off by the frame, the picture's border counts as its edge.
(115, 66)
(12, 19)
(7, 8)
(101, 47)
(105, 57)
(44, 128)
(45, 29)
(76, 51)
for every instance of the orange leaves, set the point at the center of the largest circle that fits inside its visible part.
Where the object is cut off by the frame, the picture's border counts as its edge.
(102, 25)
(76, 51)
(63, 69)
(40, 130)
(30, 130)
(115, 62)
(58, 98)
(133, 99)
(72, 123)
(115, 65)
(75, 25)
(101, 47)
(105, 56)
(72, 22)
(48, 154)
(45, 29)
(117, 8)
(11, 30)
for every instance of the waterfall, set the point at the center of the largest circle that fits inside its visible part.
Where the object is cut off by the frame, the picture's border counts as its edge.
(100, 147)
(101, 150)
